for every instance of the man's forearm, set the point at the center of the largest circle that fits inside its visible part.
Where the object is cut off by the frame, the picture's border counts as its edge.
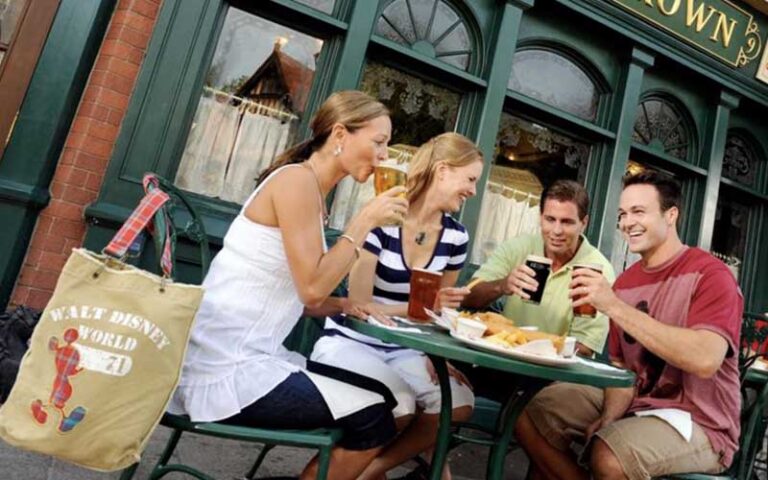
(699, 352)
(483, 294)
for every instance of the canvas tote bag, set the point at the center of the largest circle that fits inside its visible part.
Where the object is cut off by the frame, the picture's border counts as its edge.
(106, 355)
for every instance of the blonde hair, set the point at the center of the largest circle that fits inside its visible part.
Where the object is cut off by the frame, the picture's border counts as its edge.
(452, 149)
(351, 108)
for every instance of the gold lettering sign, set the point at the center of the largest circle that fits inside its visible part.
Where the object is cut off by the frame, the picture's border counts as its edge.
(719, 27)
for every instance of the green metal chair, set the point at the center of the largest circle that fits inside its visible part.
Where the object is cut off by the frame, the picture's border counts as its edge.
(754, 387)
(186, 223)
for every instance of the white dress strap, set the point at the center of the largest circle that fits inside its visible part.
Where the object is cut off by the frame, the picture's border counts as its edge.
(264, 182)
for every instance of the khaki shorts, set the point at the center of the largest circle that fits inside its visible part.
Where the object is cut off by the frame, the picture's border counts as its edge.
(646, 447)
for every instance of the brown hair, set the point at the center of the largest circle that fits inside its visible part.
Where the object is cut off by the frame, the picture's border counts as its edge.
(567, 191)
(351, 108)
(453, 149)
(670, 192)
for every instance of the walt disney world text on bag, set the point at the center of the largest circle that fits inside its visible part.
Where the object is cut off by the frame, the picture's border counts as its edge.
(106, 356)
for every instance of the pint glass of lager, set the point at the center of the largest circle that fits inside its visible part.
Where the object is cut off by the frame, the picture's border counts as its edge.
(389, 174)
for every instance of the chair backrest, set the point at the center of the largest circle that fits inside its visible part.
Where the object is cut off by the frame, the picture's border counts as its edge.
(754, 340)
(754, 393)
(185, 222)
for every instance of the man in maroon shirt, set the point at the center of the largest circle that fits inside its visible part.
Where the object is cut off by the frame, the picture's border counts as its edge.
(675, 322)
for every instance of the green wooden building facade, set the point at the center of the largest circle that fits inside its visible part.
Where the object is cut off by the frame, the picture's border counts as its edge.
(584, 89)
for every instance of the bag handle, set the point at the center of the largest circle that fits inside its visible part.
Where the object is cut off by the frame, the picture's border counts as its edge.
(140, 219)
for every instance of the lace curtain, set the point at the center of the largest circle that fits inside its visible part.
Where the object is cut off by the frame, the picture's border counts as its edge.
(228, 147)
(506, 213)
(528, 157)
(209, 146)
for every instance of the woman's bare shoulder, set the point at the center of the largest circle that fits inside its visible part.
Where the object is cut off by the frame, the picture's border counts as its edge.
(288, 181)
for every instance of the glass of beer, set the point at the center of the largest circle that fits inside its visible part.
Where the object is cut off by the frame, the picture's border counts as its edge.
(389, 174)
(424, 288)
(541, 266)
(586, 310)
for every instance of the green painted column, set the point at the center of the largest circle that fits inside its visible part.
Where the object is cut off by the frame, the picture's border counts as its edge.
(351, 59)
(491, 105)
(29, 161)
(616, 156)
(713, 147)
(756, 292)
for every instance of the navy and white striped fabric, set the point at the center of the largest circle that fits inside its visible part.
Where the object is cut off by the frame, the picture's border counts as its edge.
(392, 282)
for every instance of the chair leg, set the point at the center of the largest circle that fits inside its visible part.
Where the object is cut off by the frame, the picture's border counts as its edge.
(128, 473)
(262, 455)
(157, 472)
(323, 462)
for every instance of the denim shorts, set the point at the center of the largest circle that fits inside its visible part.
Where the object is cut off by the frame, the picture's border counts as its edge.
(297, 404)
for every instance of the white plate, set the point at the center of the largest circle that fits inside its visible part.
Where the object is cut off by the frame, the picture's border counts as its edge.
(511, 352)
(438, 320)
(758, 365)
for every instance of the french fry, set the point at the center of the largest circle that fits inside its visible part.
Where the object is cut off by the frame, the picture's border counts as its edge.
(473, 283)
(557, 340)
(516, 338)
(499, 339)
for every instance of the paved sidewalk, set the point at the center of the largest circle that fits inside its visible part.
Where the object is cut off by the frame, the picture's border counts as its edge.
(225, 460)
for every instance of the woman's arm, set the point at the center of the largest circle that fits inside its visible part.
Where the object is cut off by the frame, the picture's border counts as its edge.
(450, 277)
(449, 295)
(361, 280)
(295, 202)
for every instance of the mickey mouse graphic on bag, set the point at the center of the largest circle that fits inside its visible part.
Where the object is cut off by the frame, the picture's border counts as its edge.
(67, 360)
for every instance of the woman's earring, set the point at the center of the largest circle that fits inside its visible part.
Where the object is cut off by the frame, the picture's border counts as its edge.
(337, 150)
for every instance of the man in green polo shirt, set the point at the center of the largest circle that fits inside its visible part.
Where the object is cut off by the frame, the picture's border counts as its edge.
(564, 207)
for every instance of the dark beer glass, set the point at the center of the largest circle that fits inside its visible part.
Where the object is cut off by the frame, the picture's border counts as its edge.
(541, 266)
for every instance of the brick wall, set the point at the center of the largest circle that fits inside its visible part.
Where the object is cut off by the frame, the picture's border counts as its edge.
(87, 150)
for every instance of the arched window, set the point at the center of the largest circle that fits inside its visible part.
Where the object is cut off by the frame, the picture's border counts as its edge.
(665, 126)
(555, 79)
(431, 27)
(741, 159)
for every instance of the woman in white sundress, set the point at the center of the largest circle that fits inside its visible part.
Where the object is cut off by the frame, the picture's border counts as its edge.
(273, 267)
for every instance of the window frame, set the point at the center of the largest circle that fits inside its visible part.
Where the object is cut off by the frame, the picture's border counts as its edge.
(179, 55)
(18, 64)
(477, 59)
(591, 71)
(685, 118)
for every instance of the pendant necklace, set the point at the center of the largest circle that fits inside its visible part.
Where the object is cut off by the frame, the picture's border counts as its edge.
(421, 237)
(319, 191)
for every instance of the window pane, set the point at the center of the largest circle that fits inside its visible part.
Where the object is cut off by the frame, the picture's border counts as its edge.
(254, 97)
(322, 5)
(740, 161)
(419, 110)
(397, 18)
(430, 27)
(555, 80)
(659, 125)
(528, 158)
(10, 11)
(729, 238)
